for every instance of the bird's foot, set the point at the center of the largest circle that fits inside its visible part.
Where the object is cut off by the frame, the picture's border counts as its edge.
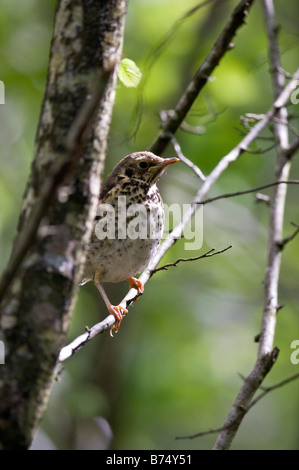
(118, 311)
(136, 283)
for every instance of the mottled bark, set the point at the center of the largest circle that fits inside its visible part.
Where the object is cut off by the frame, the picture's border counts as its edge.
(39, 287)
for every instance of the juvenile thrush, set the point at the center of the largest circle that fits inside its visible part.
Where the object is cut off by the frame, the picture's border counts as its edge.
(128, 227)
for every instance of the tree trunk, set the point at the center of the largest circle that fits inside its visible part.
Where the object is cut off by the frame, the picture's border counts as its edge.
(39, 286)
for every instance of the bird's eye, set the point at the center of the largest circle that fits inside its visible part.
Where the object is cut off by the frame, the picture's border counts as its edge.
(143, 165)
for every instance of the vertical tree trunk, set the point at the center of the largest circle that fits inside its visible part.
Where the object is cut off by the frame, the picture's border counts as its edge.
(39, 286)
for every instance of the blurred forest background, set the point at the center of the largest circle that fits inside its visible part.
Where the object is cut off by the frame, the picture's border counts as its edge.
(173, 369)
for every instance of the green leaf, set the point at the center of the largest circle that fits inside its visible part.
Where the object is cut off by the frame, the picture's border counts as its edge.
(129, 74)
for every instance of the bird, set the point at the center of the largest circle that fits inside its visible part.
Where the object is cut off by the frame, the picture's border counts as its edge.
(128, 227)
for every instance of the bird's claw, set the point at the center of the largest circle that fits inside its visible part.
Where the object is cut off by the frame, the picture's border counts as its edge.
(118, 311)
(137, 284)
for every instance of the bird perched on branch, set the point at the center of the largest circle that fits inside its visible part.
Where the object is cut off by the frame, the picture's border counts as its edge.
(128, 227)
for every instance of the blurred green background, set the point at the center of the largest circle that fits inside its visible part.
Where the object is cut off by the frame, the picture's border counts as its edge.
(173, 368)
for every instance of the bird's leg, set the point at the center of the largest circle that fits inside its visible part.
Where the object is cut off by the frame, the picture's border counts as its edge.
(117, 310)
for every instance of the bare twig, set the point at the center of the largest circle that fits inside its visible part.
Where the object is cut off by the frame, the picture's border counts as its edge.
(267, 390)
(162, 43)
(208, 254)
(247, 191)
(293, 148)
(201, 434)
(185, 160)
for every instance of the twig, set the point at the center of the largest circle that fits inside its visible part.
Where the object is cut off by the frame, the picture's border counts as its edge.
(247, 191)
(208, 254)
(72, 124)
(260, 151)
(293, 148)
(201, 434)
(266, 390)
(185, 160)
(197, 130)
(286, 240)
(154, 55)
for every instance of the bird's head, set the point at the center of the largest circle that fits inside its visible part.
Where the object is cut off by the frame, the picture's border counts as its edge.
(141, 166)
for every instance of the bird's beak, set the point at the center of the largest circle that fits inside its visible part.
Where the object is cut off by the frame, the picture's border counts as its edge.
(166, 162)
(158, 169)
(169, 161)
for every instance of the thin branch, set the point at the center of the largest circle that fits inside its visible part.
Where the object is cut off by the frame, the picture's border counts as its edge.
(267, 390)
(283, 165)
(185, 160)
(72, 123)
(259, 197)
(260, 151)
(208, 254)
(221, 46)
(247, 191)
(288, 239)
(201, 434)
(293, 148)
